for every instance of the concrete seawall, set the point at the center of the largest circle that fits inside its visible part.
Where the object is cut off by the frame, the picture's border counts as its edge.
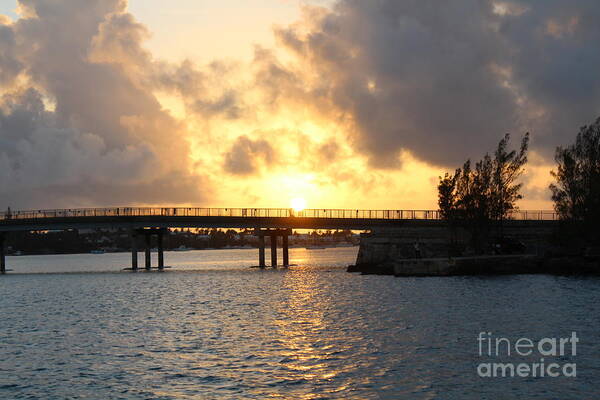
(476, 265)
(391, 251)
(436, 240)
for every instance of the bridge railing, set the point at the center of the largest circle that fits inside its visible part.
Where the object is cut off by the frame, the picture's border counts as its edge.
(367, 214)
(147, 211)
(252, 213)
(534, 215)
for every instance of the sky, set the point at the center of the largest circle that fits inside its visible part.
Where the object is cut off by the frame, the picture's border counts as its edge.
(237, 103)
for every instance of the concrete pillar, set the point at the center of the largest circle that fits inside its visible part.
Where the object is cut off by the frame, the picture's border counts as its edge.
(286, 257)
(134, 251)
(147, 250)
(261, 250)
(2, 255)
(274, 250)
(161, 259)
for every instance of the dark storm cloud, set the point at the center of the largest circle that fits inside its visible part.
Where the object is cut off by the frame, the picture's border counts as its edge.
(445, 80)
(84, 128)
(556, 63)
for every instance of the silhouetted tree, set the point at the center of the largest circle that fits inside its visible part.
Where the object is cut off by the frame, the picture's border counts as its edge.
(576, 192)
(474, 197)
(446, 195)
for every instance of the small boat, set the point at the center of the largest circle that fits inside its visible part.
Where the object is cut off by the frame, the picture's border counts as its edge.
(97, 252)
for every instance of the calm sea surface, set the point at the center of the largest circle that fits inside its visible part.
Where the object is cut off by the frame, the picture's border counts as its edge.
(76, 326)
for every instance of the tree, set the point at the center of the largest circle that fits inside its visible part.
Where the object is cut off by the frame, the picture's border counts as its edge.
(489, 191)
(477, 196)
(576, 192)
(446, 196)
(508, 167)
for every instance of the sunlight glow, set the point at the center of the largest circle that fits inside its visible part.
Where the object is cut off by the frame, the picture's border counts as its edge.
(298, 204)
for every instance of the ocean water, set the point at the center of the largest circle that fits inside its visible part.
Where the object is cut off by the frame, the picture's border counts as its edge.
(77, 327)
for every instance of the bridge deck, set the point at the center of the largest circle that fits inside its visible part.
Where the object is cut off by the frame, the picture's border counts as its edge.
(259, 218)
(175, 217)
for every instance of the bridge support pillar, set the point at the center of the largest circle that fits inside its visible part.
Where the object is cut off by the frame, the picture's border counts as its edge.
(284, 245)
(261, 251)
(161, 259)
(2, 255)
(274, 250)
(147, 233)
(273, 234)
(134, 251)
(147, 252)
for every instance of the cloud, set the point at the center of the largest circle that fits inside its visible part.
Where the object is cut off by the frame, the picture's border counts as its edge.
(10, 67)
(329, 151)
(349, 94)
(445, 80)
(118, 41)
(246, 156)
(206, 92)
(83, 127)
(45, 164)
(554, 64)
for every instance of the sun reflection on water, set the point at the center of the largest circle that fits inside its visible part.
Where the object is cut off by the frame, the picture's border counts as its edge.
(309, 354)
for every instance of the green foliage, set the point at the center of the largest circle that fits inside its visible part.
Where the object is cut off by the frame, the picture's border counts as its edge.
(576, 192)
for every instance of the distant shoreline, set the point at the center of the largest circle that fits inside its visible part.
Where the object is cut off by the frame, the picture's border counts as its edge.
(174, 250)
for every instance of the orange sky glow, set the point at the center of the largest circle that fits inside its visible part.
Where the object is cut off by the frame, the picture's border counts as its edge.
(244, 104)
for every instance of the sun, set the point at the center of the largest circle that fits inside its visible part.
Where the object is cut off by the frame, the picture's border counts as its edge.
(298, 204)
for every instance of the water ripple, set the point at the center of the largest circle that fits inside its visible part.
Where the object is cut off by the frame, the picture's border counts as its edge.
(305, 333)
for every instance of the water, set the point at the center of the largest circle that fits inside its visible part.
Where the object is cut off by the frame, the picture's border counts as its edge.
(211, 328)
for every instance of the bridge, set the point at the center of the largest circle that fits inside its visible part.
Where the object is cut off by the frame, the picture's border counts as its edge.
(271, 222)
